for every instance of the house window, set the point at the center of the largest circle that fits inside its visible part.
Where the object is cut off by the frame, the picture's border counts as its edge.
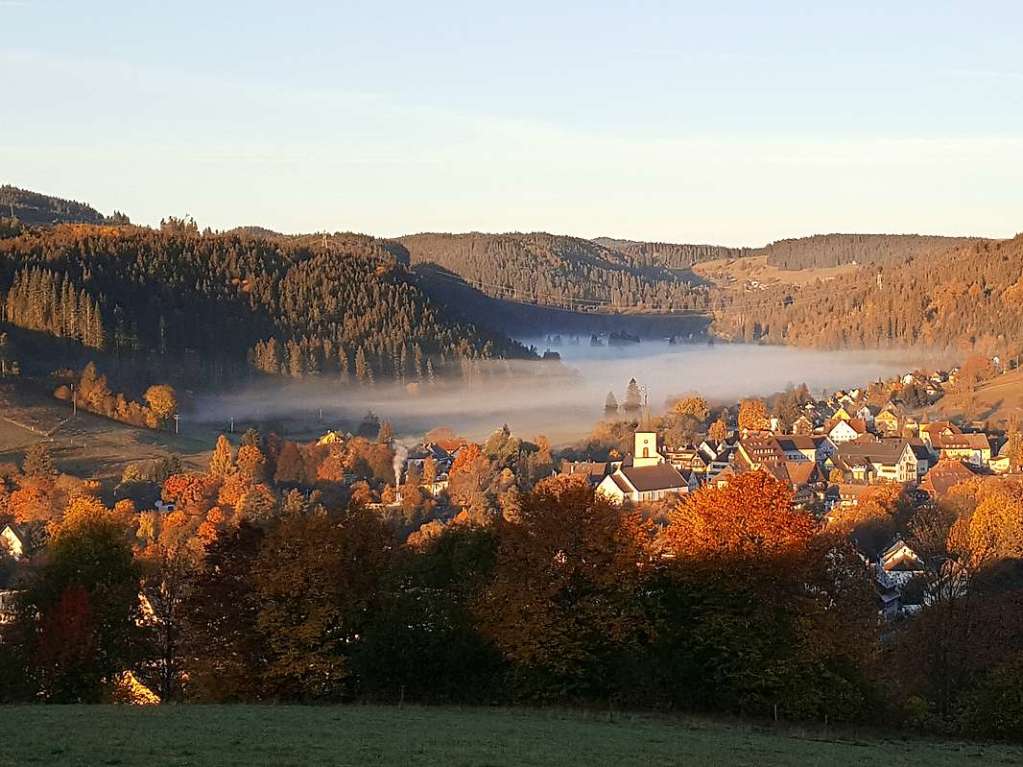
(646, 452)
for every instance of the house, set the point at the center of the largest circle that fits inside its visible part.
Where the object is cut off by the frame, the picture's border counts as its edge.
(1003, 462)
(802, 425)
(843, 496)
(938, 429)
(817, 448)
(717, 455)
(870, 459)
(841, 413)
(945, 475)
(896, 568)
(647, 477)
(15, 540)
(973, 448)
(804, 478)
(419, 455)
(867, 414)
(886, 422)
(688, 458)
(845, 430)
(594, 471)
(755, 450)
(8, 605)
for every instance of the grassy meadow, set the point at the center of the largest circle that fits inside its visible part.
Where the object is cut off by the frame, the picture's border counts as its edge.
(283, 736)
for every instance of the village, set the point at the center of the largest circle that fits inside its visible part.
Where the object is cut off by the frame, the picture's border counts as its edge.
(836, 455)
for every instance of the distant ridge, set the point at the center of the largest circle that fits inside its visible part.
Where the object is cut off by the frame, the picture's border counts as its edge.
(35, 209)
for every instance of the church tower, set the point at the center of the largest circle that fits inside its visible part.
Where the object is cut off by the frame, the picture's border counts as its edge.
(644, 452)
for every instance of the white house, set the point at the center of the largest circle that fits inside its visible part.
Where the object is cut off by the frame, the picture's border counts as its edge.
(14, 540)
(817, 448)
(846, 431)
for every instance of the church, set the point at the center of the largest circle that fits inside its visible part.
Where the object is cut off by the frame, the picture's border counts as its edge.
(645, 475)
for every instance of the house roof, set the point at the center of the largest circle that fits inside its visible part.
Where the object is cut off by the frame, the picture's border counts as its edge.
(960, 442)
(15, 530)
(936, 427)
(593, 470)
(872, 450)
(945, 475)
(647, 479)
(802, 472)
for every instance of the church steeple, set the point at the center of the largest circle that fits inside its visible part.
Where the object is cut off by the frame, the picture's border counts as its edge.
(645, 451)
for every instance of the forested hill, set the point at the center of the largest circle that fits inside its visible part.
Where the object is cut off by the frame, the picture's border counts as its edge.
(824, 250)
(34, 209)
(970, 297)
(289, 306)
(558, 271)
(667, 254)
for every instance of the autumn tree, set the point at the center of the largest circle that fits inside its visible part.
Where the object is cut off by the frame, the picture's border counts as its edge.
(753, 415)
(750, 591)
(290, 468)
(222, 459)
(422, 640)
(162, 401)
(224, 651)
(251, 463)
(469, 482)
(562, 603)
(718, 430)
(84, 601)
(38, 463)
(170, 553)
(316, 581)
(692, 406)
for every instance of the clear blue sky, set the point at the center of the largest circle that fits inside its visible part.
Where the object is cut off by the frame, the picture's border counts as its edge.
(725, 122)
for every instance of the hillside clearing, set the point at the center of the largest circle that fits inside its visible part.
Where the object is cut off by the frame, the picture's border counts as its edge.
(734, 273)
(291, 735)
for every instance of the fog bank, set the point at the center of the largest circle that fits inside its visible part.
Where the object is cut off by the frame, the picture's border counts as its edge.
(561, 400)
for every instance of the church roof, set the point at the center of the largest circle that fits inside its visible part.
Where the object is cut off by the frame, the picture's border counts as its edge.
(648, 479)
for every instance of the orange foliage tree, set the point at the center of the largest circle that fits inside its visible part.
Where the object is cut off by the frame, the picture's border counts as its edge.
(562, 601)
(750, 516)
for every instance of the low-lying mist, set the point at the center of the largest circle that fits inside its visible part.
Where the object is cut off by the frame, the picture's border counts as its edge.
(561, 400)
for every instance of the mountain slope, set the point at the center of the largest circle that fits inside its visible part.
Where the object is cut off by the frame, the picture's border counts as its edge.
(969, 297)
(34, 209)
(288, 306)
(557, 271)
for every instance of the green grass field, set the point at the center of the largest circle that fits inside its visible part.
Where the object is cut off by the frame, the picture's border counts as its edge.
(282, 736)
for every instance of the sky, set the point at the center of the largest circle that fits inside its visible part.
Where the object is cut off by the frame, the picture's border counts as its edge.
(723, 122)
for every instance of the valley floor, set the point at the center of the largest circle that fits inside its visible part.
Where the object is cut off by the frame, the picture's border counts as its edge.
(287, 736)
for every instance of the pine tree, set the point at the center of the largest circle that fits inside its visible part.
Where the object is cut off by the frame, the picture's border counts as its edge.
(38, 462)
(611, 403)
(222, 459)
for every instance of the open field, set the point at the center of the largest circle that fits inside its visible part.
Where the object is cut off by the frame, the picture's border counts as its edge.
(86, 445)
(997, 401)
(734, 273)
(285, 736)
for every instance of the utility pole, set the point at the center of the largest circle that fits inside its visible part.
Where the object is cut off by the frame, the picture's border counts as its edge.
(176, 425)
(232, 424)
